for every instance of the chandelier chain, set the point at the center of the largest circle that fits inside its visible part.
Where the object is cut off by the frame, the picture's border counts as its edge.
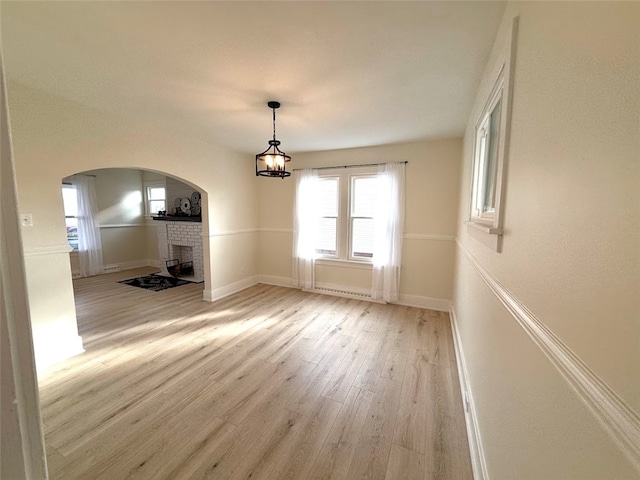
(274, 123)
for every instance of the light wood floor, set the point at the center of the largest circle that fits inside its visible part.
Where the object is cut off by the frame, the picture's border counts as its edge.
(267, 383)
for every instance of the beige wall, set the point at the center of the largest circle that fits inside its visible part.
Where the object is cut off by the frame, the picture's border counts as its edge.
(54, 138)
(121, 215)
(129, 237)
(432, 178)
(570, 250)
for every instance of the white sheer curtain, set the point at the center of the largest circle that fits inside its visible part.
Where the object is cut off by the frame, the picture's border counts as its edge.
(388, 229)
(89, 242)
(305, 227)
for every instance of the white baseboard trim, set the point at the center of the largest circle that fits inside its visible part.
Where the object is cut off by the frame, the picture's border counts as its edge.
(154, 263)
(277, 281)
(221, 292)
(620, 422)
(47, 357)
(135, 264)
(478, 462)
(439, 304)
(117, 267)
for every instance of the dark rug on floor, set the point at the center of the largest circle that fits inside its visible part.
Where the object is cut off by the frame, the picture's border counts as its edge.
(154, 282)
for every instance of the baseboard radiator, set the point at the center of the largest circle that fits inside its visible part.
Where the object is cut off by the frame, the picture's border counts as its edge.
(342, 291)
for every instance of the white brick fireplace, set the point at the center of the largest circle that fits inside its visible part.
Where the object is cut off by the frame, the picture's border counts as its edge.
(182, 241)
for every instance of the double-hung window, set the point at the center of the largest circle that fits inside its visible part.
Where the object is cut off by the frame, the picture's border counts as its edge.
(347, 204)
(329, 203)
(362, 201)
(70, 203)
(155, 198)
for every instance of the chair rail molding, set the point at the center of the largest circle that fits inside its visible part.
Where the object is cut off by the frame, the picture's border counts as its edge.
(224, 233)
(47, 250)
(620, 422)
(429, 236)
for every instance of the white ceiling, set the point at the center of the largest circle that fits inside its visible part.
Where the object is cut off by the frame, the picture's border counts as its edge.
(348, 74)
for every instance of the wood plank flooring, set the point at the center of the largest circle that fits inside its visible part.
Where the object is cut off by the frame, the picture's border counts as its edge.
(269, 383)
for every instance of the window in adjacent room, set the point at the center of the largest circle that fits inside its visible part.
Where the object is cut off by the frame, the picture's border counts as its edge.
(70, 202)
(347, 204)
(155, 198)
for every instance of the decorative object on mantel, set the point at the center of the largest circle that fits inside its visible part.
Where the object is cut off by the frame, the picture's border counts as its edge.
(185, 209)
(272, 162)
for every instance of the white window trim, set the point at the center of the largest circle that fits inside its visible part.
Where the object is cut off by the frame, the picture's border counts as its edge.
(489, 227)
(343, 241)
(479, 157)
(145, 188)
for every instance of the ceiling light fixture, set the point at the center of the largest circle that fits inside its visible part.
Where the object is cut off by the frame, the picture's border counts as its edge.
(271, 162)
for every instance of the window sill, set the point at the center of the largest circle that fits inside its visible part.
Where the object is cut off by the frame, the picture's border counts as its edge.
(485, 228)
(336, 262)
(486, 234)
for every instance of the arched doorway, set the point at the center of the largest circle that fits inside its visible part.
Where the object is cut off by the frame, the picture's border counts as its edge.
(143, 218)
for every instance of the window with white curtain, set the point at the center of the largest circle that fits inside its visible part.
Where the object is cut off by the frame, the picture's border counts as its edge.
(361, 216)
(347, 203)
(70, 203)
(353, 214)
(329, 205)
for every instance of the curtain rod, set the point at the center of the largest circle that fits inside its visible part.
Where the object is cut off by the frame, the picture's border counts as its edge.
(83, 174)
(348, 166)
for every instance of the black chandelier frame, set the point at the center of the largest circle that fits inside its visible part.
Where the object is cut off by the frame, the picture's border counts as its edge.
(278, 169)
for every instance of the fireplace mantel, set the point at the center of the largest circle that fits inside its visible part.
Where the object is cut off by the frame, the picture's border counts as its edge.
(177, 218)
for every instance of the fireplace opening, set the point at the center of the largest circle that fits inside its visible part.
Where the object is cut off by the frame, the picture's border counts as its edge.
(180, 263)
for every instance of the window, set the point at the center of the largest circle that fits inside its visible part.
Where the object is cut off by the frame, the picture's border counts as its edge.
(487, 141)
(155, 198)
(363, 201)
(70, 202)
(352, 215)
(491, 150)
(329, 205)
(347, 205)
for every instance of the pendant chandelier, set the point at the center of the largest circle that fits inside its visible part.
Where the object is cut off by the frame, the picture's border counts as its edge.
(271, 162)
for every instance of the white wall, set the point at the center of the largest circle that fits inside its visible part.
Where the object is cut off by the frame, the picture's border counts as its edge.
(22, 451)
(432, 178)
(54, 138)
(570, 251)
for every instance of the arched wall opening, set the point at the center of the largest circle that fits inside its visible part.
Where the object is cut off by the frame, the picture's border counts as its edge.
(54, 138)
(131, 234)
